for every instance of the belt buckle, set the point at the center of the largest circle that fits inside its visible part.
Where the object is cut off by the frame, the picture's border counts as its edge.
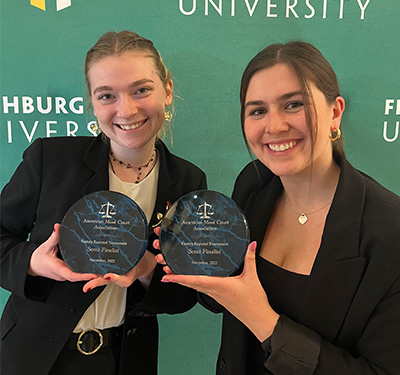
(80, 342)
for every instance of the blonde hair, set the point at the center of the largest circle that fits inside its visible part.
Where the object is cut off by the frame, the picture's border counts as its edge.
(116, 43)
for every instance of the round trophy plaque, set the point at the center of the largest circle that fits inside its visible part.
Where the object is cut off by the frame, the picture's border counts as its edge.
(103, 232)
(204, 233)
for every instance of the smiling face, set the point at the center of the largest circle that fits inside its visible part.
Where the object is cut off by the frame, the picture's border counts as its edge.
(275, 122)
(128, 99)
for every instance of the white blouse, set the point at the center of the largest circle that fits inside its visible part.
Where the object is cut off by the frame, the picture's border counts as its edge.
(108, 309)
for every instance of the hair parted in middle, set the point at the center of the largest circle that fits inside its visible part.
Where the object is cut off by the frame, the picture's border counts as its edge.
(310, 66)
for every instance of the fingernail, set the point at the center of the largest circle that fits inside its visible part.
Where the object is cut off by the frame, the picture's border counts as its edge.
(167, 280)
(108, 278)
(88, 290)
(253, 246)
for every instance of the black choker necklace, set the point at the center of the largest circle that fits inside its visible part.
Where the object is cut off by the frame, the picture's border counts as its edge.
(129, 166)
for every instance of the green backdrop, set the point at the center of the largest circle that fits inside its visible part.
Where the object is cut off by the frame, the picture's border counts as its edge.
(206, 44)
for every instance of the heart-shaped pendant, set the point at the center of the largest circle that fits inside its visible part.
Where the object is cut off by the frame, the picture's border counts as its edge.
(303, 219)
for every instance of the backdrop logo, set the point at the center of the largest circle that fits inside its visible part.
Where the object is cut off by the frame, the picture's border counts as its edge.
(274, 8)
(61, 4)
(391, 126)
(36, 116)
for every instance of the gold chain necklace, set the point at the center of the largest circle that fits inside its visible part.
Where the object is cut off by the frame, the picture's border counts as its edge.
(303, 217)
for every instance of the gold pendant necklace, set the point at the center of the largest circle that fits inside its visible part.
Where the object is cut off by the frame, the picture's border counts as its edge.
(303, 217)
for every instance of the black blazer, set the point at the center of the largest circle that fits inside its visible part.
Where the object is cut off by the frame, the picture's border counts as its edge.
(41, 313)
(349, 322)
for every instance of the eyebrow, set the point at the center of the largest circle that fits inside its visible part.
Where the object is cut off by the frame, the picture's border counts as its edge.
(131, 85)
(282, 97)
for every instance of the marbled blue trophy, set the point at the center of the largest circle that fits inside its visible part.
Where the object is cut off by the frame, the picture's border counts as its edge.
(204, 233)
(103, 232)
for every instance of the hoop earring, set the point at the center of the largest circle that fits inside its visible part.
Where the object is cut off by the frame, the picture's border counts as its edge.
(335, 134)
(168, 115)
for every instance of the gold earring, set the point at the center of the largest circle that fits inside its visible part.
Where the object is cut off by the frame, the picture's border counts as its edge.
(335, 134)
(96, 127)
(168, 115)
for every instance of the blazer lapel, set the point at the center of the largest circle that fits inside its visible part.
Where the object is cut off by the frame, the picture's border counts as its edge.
(331, 289)
(259, 208)
(338, 268)
(97, 159)
(168, 177)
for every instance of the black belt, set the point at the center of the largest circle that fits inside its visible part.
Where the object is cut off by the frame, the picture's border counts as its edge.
(91, 340)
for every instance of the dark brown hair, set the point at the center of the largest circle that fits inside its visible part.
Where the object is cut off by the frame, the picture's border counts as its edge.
(310, 66)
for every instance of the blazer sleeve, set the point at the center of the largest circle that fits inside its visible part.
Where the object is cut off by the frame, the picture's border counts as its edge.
(19, 200)
(295, 348)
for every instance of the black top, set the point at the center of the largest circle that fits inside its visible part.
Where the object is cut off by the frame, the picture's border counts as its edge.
(285, 291)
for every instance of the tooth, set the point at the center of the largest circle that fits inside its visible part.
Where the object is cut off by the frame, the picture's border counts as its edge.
(282, 146)
(133, 126)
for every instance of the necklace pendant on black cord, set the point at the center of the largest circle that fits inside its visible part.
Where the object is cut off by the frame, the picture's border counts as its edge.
(128, 166)
(303, 219)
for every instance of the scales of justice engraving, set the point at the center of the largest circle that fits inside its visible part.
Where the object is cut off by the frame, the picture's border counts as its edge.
(107, 209)
(103, 232)
(205, 210)
(204, 233)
